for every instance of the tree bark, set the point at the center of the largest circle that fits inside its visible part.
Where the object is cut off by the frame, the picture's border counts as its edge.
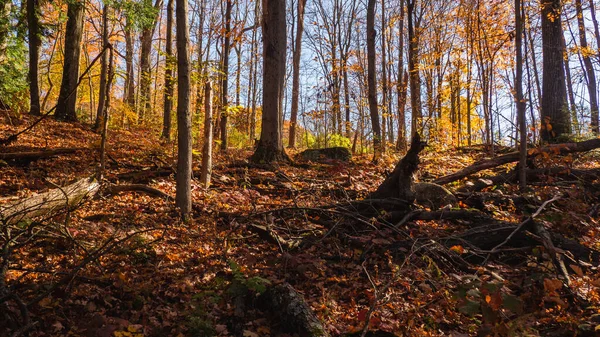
(225, 75)
(589, 68)
(145, 67)
(372, 79)
(65, 110)
(555, 116)
(296, 73)
(183, 197)
(413, 58)
(519, 96)
(169, 81)
(129, 75)
(270, 146)
(208, 137)
(103, 73)
(34, 51)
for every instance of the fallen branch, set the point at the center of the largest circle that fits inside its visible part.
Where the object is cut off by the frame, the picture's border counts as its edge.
(292, 311)
(514, 156)
(39, 154)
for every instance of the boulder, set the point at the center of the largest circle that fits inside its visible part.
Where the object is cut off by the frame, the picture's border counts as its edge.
(433, 195)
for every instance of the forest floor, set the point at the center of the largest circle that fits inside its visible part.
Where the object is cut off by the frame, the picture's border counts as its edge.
(125, 265)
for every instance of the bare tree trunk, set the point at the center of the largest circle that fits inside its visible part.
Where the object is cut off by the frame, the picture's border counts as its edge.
(589, 68)
(129, 76)
(169, 82)
(415, 81)
(384, 83)
(34, 53)
(372, 79)
(67, 99)
(296, 73)
(200, 70)
(270, 146)
(103, 73)
(225, 75)
(555, 116)
(208, 140)
(519, 96)
(183, 196)
(145, 67)
(401, 85)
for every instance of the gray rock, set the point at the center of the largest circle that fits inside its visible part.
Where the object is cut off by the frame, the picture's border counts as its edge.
(433, 195)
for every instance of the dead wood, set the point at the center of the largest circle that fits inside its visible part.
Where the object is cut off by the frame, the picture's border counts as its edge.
(565, 148)
(151, 191)
(292, 311)
(399, 183)
(50, 202)
(29, 156)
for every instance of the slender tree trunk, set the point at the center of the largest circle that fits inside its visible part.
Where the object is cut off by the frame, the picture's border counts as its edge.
(67, 99)
(184, 120)
(225, 75)
(372, 79)
(103, 73)
(555, 116)
(270, 146)
(296, 73)
(401, 85)
(201, 76)
(34, 51)
(595, 23)
(519, 99)
(589, 68)
(208, 140)
(169, 82)
(145, 67)
(129, 72)
(415, 81)
(572, 107)
(384, 83)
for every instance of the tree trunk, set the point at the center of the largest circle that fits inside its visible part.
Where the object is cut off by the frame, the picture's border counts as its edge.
(296, 73)
(129, 75)
(65, 110)
(183, 198)
(201, 76)
(372, 79)
(415, 80)
(225, 75)
(145, 67)
(103, 72)
(555, 115)
(169, 83)
(208, 140)
(519, 96)
(589, 68)
(34, 51)
(270, 146)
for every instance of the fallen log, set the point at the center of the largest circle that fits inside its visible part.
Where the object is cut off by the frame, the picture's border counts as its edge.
(29, 156)
(292, 311)
(48, 203)
(565, 148)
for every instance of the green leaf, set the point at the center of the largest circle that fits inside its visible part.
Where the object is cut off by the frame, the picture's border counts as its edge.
(512, 303)
(470, 308)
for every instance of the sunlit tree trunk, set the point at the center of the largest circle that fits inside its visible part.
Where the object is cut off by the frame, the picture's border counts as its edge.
(200, 66)
(589, 67)
(169, 83)
(65, 109)
(34, 51)
(184, 120)
(384, 83)
(103, 73)
(555, 115)
(225, 75)
(208, 140)
(145, 67)
(296, 73)
(372, 79)
(270, 145)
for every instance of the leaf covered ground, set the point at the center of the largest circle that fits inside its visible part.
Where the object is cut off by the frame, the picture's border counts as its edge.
(124, 265)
